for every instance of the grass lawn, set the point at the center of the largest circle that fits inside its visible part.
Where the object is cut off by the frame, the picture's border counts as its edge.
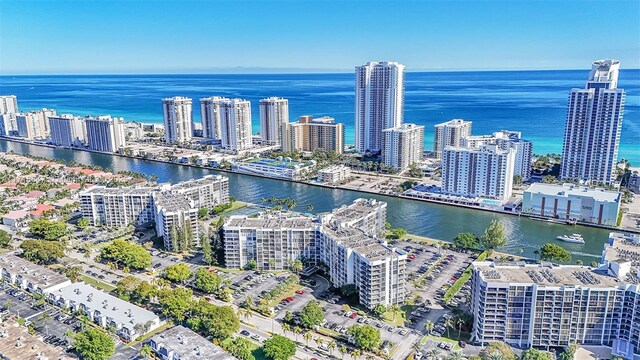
(456, 347)
(160, 329)
(97, 283)
(256, 350)
(235, 206)
(289, 292)
(400, 317)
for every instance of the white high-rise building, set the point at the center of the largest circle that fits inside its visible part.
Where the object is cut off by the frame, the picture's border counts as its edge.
(105, 133)
(178, 125)
(379, 102)
(403, 145)
(450, 133)
(274, 112)
(67, 130)
(8, 104)
(34, 124)
(594, 122)
(235, 124)
(210, 114)
(507, 140)
(484, 172)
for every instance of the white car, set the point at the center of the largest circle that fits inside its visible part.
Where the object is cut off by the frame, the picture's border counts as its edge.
(418, 355)
(348, 313)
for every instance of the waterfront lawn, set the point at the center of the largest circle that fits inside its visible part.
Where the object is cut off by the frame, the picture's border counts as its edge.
(97, 283)
(235, 206)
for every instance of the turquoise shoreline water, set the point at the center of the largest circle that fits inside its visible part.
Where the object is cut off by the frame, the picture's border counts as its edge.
(533, 102)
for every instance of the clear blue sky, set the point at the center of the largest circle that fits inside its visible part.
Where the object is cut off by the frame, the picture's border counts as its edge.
(118, 36)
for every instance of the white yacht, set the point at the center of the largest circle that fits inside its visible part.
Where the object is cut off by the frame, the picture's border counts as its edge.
(573, 238)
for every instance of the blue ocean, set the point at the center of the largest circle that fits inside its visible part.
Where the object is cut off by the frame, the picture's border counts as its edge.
(533, 102)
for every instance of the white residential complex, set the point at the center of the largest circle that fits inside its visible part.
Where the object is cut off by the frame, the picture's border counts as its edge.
(379, 103)
(178, 125)
(29, 276)
(235, 124)
(308, 134)
(105, 133)
(334, 174)
(274, 113)
(486, 172)
(8, 104)
(34, 124)
(572, 203)
(210, 116)
(67, 130)
(181, 343)
(346, 240)
(450, 133)
(507, 140)
(402, 145)
(594, 123)
(172, 208)
(551, 306)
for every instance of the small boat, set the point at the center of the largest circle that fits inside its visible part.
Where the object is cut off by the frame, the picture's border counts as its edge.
(573, 238)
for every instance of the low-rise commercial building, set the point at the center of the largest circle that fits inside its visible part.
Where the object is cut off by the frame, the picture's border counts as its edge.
(572, 203)
(283, 168)
(108, 311)
(181, 343)
(29, 276)
(334, 174)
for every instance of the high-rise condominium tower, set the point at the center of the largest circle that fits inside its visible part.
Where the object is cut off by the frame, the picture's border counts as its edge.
(235, 124)
(105, 133)
(403, 145)
(210, 114)
(594, 121)
(177, 119)
(274, 112)
(450, 133)
(379, 102)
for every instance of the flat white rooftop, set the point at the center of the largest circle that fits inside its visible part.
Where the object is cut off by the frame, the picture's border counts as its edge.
(571, 190)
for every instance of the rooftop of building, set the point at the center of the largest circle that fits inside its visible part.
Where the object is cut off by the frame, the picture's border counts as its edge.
(119, 190)
(169, 201)
(357, 210)
(405, 127)
(17, 343)
(623, 247)
(189, 345)
(271, 221)
(334, 168)
(35, 274)
(545, 274)
(208, 179)
(308, 119)
(367, 246)
(122, 312)
(454, 122)
(277, 162)
(566, 190)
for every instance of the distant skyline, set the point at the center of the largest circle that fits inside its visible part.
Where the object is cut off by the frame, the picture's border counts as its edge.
(138, 36)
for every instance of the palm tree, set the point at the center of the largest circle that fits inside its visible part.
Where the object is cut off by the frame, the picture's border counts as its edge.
(307, 336)
(416, 346)
(459, 322)
(456, 355)
(394, 309)
(433, 354)
(297, 330)
(449, 323)
(342, 350)
(285, 327)
(355, 354)
(331, 346)
(495, 356)
(146, 351)
(319, 341)
(429, 326)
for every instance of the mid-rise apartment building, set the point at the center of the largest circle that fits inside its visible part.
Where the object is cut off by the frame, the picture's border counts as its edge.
(117, 207)
(572, 203)
(379, 103)
(206, 192)
(34, 124)
(274, 113)
(506, 140)
(176, 220)
(235, 124)
(346, 240)
(594, 124)
(334, 174)
(8, 111)
(210, 116)
(178, 124)
(402, 145)
(68, 131)
(105, 133)
(485, 172)
(308, 134)
(8, 104)
(450, 134)
(549, 306)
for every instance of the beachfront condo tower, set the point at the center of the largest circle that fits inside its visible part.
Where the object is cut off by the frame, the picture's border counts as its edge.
(178, 125)
(274, 112)
(235, 124)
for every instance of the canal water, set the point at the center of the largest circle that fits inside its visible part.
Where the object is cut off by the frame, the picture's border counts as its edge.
(421, 218)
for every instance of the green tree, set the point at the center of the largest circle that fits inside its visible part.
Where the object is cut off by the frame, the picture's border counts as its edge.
(549, 179)
(534, 354)
(296, 266)
(569, 352)
(202, 213)
(72, 272)
(240, 348)
(94, 344)
(5, 238)
(398, 233)
(494, 236)
(126, 254)
(42, 251)
(553, 252)
(279, 348)
(175, 302)
(466, 240)
(366, 337)
(177, 273)
(251, 265)
(207, 251)
(47, 229)
(208, 282)
(379, 310)
(502, 350)
(83, 223)
(311, 315)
